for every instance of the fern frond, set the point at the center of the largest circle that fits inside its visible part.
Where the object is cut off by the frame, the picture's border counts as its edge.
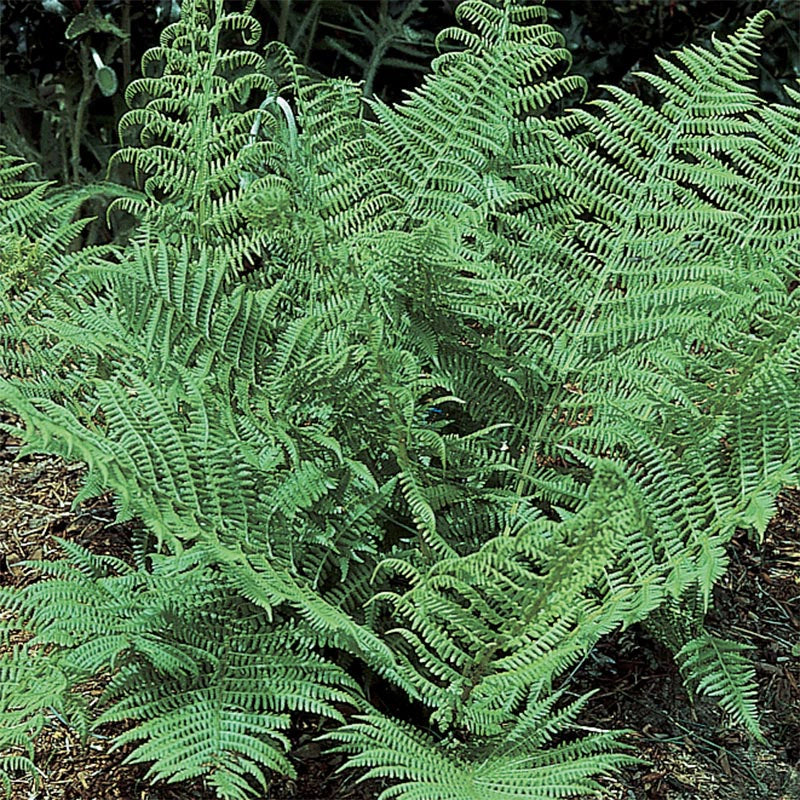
(514, 765)
(30, 686)
(718, 668)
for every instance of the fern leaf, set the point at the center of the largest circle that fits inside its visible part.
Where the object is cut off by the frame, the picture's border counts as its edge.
(718, 668)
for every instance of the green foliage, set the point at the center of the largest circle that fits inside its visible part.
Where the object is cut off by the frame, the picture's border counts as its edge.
(29, 689)
(428, 397)
(516, 764)
(717, 668)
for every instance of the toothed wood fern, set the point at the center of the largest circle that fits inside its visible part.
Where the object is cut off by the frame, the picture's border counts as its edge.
(421, 399)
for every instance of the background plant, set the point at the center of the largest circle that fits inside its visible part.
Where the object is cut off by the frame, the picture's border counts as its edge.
(49, 73)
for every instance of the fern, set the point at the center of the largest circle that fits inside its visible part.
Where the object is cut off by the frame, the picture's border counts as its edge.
(29, 688)
(710, 665)
(430, 396)
(179, 650)
(517, 764)
(718, 668)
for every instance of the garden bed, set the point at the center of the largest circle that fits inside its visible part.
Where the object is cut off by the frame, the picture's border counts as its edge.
(692, 754)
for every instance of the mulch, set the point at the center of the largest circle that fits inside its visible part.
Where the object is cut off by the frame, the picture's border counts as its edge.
(691, 753)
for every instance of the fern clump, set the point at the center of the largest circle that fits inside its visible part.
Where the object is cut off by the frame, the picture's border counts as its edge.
(427, 397)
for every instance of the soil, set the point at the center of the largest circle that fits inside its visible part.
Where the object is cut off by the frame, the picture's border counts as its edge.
(690, 753)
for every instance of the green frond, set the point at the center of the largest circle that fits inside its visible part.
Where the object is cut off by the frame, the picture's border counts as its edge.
(513, 765)
(443, 142)
(31, 686)
(228, 723)
(718, 668)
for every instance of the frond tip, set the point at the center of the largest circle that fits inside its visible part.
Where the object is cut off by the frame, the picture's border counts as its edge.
(718, 668)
